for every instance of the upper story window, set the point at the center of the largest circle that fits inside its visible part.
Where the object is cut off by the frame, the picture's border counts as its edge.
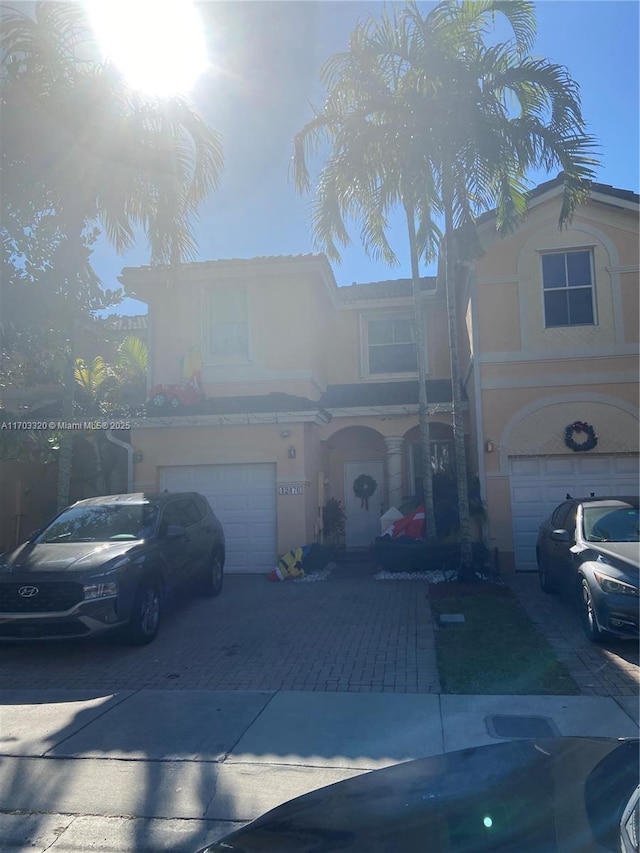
(229, 323)
(567, 281)
(391, 344)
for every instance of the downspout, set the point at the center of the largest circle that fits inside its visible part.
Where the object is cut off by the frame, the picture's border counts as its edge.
(119, 443)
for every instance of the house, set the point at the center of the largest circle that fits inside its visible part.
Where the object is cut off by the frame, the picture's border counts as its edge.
(552, 320)
(309, 387)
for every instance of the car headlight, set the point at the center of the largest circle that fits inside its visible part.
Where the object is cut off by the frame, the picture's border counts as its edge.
(615, 586)
(100, 590)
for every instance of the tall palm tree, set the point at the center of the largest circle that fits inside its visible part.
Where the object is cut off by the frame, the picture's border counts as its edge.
(375, 165)
(95, 152)
(493, 113)
(479, 117)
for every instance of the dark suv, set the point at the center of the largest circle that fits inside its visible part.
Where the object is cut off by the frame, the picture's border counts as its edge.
(110, 562)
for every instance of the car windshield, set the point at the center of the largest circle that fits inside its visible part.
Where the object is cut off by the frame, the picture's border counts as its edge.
(101, 523)
(611, 524)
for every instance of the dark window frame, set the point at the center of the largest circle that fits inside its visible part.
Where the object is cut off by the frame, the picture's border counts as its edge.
(374, 350)
(563, 298)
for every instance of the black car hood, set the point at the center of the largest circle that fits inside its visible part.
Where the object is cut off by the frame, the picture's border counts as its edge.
(505, 798)
(64, 556)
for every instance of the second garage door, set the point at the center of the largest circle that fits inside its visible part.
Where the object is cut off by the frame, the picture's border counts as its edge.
(539, 484)
(243, 496)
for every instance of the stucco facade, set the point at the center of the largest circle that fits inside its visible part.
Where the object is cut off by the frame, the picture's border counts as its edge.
(316, 388)
(532, 379)
(307, 385)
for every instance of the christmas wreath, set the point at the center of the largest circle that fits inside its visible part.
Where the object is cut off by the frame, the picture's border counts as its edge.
(580, 426)
(363, 487)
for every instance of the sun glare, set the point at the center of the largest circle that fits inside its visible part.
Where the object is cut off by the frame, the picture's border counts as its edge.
(158, 45)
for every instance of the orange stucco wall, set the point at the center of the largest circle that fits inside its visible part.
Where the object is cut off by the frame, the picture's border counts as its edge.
(558, 375)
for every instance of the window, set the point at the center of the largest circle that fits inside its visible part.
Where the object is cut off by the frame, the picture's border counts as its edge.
(564, 517)
(441, 463)
(391, 344)
(175, 513)
(567, 283)
(229, 332)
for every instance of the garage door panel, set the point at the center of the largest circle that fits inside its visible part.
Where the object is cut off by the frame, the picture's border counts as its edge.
(538, 485)
(557, 466)
(230, 502)
(243, 496)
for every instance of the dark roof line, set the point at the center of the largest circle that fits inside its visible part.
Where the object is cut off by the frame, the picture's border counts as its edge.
(126, 322)
(198, 265)
(604, 189)
(384, 289)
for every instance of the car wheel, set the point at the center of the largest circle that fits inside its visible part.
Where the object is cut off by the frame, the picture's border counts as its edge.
(589, 622)
(213, 576)
(145, 616)
(546, 583)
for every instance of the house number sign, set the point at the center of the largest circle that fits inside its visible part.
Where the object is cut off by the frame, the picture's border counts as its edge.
(289, 490)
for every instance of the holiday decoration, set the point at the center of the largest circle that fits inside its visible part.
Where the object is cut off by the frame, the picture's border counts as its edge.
(363, 487)
(580, 427)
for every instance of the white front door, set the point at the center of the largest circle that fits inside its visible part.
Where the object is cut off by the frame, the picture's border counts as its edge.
(362, 524)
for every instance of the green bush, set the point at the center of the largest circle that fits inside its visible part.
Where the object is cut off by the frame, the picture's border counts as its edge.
(426, 556)
(318, 557)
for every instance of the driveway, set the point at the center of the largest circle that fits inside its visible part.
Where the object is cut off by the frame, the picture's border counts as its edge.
(612, 669)
(350, 633)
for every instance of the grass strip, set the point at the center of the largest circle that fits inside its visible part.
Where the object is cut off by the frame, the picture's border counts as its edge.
(496, 650)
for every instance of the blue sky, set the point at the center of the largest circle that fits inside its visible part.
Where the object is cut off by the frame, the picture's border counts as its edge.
(267, 56)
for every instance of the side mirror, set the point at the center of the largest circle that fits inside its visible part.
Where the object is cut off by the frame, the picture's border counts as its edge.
(561, 536)
(175, 531)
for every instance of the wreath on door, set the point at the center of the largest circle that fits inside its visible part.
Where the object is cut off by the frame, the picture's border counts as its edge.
(364, 487)
(580, 427)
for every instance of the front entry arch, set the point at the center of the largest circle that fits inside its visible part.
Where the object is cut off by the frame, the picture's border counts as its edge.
(363, 518)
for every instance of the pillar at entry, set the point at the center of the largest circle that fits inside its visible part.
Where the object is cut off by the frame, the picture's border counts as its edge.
(395, 454)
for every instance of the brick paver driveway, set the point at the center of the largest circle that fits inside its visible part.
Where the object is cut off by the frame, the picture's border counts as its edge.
(349, 633)
(609, 670)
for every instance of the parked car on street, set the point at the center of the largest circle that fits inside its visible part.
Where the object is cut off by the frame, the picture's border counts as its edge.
(549, 795)
(590, 548)
(110, 563)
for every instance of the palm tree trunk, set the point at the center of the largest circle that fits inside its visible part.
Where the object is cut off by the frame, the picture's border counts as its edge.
(465, 572)
(65, 455)
(423, 402)
(71, 271)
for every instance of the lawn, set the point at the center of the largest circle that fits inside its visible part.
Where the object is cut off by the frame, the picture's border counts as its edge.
(496, 650)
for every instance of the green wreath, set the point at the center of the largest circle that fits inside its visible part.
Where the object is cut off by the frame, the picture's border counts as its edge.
(580, 426)
(363, 487)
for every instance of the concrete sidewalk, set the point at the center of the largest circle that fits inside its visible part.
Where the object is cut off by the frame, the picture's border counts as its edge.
(164, 770)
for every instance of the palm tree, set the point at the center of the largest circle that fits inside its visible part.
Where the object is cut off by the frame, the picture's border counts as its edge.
(376, 164)
(493, 113)
(94, 152)
(479, 117)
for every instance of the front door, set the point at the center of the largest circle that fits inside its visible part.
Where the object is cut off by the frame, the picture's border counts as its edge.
(363, 523)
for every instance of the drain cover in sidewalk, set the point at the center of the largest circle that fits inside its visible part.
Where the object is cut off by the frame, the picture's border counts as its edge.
(515, 726)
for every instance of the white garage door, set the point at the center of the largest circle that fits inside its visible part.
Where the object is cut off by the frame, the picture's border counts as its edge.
(244, 499)
(539, 484)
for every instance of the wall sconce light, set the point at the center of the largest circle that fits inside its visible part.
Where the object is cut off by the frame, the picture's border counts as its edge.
(291, 453)
(489, 446)
(138, 456)
(285, 433)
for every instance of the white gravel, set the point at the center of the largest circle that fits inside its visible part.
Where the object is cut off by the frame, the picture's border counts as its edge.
(432, 577)
(322, 575)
